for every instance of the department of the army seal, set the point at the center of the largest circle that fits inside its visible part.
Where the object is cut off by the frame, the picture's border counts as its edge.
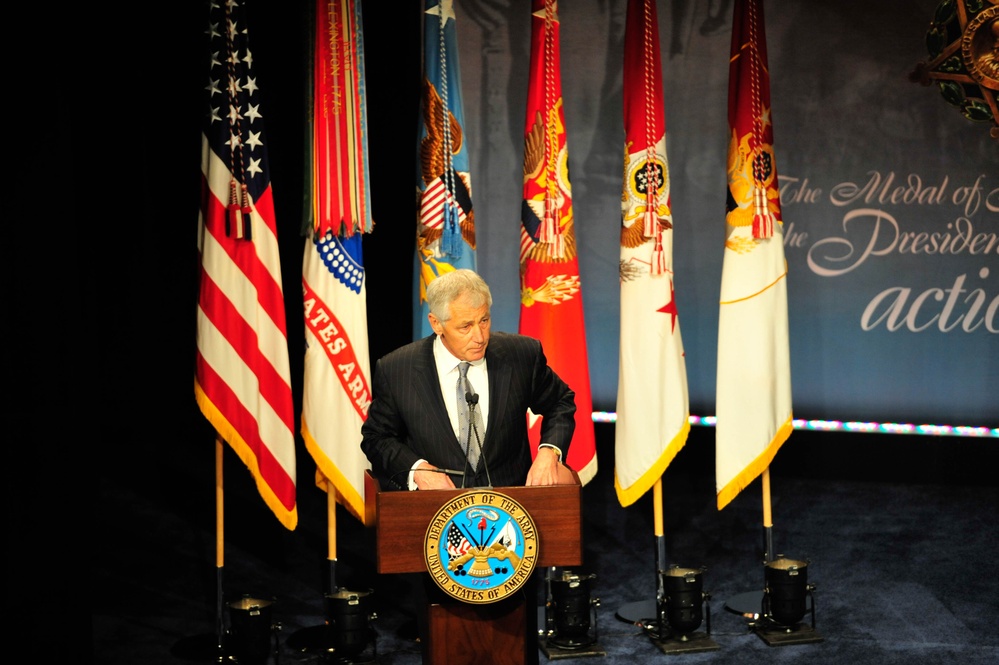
(481, 546)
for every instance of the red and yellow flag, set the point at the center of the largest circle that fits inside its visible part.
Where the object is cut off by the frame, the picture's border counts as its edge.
(551, 303)
(753, 404)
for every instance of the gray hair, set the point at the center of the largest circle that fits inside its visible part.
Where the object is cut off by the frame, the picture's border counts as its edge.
(450, 286)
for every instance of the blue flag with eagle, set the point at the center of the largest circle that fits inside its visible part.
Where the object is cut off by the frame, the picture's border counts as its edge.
(445, 228)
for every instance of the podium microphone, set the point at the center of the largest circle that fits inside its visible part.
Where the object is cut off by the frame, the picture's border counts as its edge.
(472, 399)
(396, 477)
(450, 472)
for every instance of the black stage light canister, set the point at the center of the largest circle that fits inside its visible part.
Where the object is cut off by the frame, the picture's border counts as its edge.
(683, 600)
(572, 608)
(251, 638)
(784, 598)
(349, 613)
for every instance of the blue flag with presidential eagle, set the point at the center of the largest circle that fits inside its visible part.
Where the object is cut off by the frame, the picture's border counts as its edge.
(445, 229)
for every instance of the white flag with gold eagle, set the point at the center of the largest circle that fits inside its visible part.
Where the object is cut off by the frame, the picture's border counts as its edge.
(653, 414)
(753, 406)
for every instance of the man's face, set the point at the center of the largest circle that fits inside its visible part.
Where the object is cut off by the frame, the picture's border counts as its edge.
(466, 333)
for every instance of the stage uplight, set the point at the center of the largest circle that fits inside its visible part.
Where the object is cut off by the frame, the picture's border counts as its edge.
(350, 638)
(252, 635)
(681, 607)
(570, 616)
(574, 611)
(787, 597)
(786, 591)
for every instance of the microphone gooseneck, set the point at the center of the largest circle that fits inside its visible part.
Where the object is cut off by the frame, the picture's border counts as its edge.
(473, 399)
(469, 396)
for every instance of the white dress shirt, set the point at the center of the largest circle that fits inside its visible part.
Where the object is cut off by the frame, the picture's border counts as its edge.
(447, 374)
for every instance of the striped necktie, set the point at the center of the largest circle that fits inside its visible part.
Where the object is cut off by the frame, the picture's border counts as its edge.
(462, 389)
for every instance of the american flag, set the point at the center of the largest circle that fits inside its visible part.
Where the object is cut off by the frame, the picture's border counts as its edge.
(242, 377)
(457, 544)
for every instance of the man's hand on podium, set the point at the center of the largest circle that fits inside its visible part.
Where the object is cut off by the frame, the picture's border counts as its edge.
(546, 468)
(428, 477)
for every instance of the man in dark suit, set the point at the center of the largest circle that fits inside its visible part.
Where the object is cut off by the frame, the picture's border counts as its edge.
(412, 430)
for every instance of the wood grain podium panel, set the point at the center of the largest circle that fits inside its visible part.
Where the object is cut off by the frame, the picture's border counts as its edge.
(501, 633)
(402, 519)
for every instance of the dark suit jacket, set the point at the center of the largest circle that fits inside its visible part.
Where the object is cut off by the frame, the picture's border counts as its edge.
(407, 419)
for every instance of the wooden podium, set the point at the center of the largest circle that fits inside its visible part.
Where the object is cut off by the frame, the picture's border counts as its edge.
(459, 633)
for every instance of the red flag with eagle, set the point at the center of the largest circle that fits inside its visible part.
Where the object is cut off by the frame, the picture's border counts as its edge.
(551, 303)
(653, 413)
(753, 402)
(336, 384)
(242, 379)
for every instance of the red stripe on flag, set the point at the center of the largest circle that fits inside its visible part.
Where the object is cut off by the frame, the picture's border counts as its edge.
(242, 420)
(432, 205)
(243, 338)
(244, 254)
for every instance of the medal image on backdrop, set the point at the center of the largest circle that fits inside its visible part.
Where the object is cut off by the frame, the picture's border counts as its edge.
(481, 546)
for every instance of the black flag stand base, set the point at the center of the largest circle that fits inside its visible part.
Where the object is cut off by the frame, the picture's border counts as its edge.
(554, 651)
(697, 642)
(776, 636)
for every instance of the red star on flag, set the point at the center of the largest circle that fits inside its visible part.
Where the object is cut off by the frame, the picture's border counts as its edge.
(670, 307)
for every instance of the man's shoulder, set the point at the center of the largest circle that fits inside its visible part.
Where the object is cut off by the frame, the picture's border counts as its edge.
(409, 350)
(507, 340)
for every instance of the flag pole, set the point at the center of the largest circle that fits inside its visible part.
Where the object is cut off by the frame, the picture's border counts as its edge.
(657, 504)
(219, 547)
(331, 494)
(768, 523)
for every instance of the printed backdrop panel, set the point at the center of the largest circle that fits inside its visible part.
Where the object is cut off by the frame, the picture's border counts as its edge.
(890, 197)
